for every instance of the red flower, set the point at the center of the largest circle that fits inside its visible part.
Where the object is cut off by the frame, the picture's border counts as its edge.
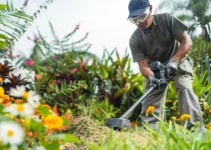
(77, 27)
(36, 39)
(4, 101)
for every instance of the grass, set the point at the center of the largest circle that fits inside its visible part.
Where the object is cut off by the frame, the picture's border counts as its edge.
(91, 132)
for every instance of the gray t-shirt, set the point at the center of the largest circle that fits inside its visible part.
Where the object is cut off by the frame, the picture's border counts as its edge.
(159, 43)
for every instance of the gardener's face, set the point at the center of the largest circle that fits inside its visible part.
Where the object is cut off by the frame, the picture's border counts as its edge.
(147, 23)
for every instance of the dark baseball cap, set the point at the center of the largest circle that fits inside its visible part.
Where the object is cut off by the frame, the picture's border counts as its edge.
(137, 7)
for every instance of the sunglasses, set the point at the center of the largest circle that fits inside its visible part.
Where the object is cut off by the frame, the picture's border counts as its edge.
(141, 18)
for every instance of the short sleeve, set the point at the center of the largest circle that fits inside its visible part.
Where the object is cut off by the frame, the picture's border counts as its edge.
(176, 26)
(136, 51)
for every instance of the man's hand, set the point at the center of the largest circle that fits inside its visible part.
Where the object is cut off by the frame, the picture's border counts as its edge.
(157, 82)
(172, 67)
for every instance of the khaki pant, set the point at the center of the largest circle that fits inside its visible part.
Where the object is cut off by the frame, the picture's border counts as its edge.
(187, 101)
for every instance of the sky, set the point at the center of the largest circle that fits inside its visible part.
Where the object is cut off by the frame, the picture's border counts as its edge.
(104, 20)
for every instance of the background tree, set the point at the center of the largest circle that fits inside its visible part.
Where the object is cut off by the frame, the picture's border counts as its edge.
(196, 14)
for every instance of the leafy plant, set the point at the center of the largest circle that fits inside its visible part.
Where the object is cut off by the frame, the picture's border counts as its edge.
(13, 20)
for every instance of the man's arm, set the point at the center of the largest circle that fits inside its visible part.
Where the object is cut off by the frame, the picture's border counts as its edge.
(185, 45)
(145, 69)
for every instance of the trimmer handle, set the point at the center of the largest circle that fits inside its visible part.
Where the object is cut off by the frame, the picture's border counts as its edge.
(160, 73)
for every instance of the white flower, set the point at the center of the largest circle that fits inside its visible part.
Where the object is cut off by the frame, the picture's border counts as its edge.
(20, 109)
(33, 98)
(11, 133)
(13, 147)
(18, 91)
(61, 147)
(40, 148)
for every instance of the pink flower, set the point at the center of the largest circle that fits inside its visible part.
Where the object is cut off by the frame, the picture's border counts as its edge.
(55, 57)
(25, 2)
(81, 65)
(37, 76)
(36, 39)
(74, 70)
(9, 55)
(47, 66)
(29, 62)
(58, 81)
(77, 27)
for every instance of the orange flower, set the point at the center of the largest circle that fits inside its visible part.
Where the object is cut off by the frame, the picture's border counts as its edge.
(185, 116)
(135, 123)
(12, 99)
(55, 110)
(35, 134)
(30, 133)
(7, 97)
(19, 101)
(150, 109)
(1, 79)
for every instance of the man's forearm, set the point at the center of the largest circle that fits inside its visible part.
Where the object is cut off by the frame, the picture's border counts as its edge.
(185, 45)
(182, 51)
(145, 69)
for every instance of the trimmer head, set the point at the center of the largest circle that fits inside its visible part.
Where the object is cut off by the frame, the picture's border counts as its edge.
(118, 123)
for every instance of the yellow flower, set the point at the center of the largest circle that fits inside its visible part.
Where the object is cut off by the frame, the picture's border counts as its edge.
(25, 95)
(150, 109)
(9, 116)
(1, 91)
(53, 122)
(185, 116)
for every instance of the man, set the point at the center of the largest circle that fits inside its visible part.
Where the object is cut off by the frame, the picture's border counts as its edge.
(164, 38)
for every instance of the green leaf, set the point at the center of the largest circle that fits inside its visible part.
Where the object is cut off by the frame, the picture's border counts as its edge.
(93, 146)
(2, 36)
(2, 6)
(3, 44)
(65, 121)
(51, 146)
(71, 138)
(120, 92)
(43, 110)
(1, 108)
(83, 74)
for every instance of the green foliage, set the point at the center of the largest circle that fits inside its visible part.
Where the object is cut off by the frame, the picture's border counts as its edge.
(64, 95)
(15, 21)
(113, 143)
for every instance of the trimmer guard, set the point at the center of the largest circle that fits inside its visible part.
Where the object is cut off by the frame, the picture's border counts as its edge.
(118, 123)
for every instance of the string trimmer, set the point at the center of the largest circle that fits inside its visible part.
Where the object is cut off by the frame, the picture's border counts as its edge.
(122, 122)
